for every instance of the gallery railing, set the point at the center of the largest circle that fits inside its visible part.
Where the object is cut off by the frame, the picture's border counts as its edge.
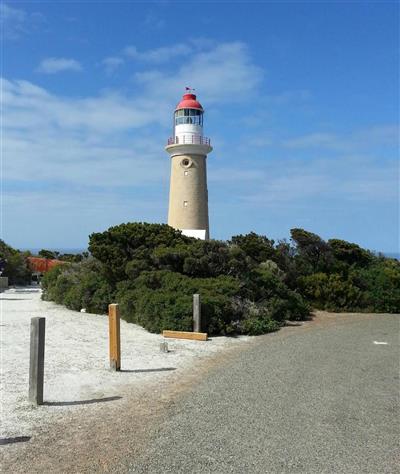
(189, 140)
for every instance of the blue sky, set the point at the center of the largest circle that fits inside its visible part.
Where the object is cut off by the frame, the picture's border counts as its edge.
(301, 106)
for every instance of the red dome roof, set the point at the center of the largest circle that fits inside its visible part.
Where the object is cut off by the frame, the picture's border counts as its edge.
(189, 102)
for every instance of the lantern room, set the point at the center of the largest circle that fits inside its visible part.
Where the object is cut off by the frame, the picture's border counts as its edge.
(192, 116)
(188, 121)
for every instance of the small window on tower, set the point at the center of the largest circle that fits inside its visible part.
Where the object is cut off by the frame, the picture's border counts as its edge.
(186, 163)
(185, 203)
(186, 173)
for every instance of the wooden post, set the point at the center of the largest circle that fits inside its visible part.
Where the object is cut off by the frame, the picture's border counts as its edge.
(36, 362)
(114, 337)
(196, 313)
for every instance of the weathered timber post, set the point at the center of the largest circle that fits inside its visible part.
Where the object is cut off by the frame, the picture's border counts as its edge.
(196, 313)
(36, 362)
(114, 337)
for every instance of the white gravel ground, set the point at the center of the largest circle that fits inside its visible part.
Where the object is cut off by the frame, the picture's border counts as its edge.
(76, 360)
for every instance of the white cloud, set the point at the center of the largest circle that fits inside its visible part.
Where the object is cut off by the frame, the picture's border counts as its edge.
(15, 22)
(357, 169)
(381, 135)
(259, 141)
(158, 55)
(152, 20)
(32, 108)
(289, 97)
(54, 65)
(219, 72)
(82, 164)
(154, 56)
(307, 182)
(226, 72)
(312, 140)
(236, 175)
(112, 63)
(79, 141)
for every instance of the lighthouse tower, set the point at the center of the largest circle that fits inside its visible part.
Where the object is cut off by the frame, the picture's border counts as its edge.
(188, 149)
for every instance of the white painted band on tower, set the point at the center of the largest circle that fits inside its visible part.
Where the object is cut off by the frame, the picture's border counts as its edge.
(188, 149)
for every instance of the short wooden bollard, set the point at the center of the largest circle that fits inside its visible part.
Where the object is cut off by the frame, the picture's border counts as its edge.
(36, 362)
(196, 313)
(114, 336)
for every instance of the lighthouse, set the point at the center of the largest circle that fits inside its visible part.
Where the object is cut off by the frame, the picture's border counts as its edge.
(188, 149)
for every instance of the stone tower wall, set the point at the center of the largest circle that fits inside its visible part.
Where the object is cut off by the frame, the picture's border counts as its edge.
(188, 197)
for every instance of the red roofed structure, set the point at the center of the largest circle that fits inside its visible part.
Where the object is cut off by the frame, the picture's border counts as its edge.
(189, 101)
(42, 265)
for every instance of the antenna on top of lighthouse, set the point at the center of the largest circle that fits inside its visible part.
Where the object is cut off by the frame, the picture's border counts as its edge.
(189, 89)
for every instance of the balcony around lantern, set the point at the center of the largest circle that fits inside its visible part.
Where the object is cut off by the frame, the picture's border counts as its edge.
(189, 139)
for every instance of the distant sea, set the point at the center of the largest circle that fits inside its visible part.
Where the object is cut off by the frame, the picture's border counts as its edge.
(392, 255)
(35, 251)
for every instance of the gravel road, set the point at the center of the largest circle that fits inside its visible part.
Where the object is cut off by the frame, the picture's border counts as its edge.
(319, 399)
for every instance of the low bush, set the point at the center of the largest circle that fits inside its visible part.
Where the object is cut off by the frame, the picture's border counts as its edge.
(380, 283)
(162, 299)
(331, 292)
(249, 285)
(15, 265)
(77, 286)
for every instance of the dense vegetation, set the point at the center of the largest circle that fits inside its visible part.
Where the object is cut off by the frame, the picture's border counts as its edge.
(248, 285)
(14, 265)
(66, 257)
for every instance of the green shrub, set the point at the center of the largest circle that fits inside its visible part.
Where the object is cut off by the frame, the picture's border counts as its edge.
(66, 281)
(381, 285)
(260, 325)
(133, 241)
(72, 298)
(349, 253)
(332, 292)
(158, 310)
(152, 271)
(248, 286)
(312, 254)
(49, 281)
(161, 299)
(16, 265)
(258, 247)
(78, 286)
(292, 307)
